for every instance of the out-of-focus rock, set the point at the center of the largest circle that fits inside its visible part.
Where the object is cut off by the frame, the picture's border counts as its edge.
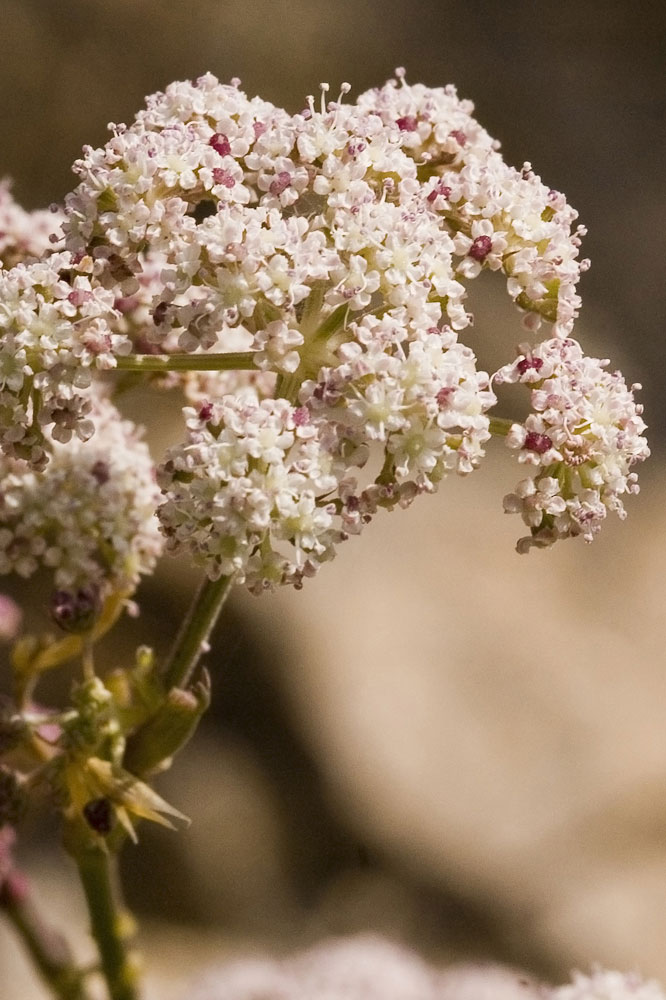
(498, 720)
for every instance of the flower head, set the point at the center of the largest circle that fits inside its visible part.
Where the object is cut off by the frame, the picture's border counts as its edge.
(89, 518)
(583, 437)
(251, 492)
(54, 332)
(363, 968)
(333, 248)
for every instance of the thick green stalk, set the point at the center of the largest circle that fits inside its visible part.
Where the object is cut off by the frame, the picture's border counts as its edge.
(500, 426)
(237, 361)
(195, 631)
(109, 923)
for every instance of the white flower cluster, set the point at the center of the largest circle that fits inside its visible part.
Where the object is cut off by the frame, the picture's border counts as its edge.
(367, 967)
(364, 968)
(265, 488)
(53, 330)
(26, 235)
(332, 249)
(584, 434)
(251, 482)
(392, 202)
(90, 519)
(500, 217)
(606, 985)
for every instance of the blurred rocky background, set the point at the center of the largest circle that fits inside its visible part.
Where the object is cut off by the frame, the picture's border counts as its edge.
(436, 739)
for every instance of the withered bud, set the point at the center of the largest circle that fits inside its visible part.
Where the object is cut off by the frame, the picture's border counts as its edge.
(98, 814)
(75, 611)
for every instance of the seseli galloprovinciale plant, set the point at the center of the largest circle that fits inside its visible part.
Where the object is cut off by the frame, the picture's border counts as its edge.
(302, 280)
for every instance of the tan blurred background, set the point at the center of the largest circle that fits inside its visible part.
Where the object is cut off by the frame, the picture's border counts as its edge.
(436, 738)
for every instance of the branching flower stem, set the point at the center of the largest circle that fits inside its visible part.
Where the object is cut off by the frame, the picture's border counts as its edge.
(500, 426)
(228, 361)
(190, 643)
(96, 863)
(109, 924)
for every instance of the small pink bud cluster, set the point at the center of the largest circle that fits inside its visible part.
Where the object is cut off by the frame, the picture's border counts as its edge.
(582, 437)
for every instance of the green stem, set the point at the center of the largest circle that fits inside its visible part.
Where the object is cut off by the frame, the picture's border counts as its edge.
(500, 426)
(109, 923)
(47, 947)
(195, 631)
(242, 360)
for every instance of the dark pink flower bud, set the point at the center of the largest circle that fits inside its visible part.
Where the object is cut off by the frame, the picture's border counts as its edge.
(443, 397)
(527, 364)
(480, 248)
(539, 443)
(220, 144)
(440, 191)
(407, 124)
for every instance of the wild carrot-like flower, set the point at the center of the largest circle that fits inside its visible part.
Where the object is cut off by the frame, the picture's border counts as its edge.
(89, 519)
(363, 968)
(333, 249)
(583, 436)
(54, 331)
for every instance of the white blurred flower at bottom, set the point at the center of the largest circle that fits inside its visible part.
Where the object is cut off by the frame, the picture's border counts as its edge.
(368, 967)
(360, 968)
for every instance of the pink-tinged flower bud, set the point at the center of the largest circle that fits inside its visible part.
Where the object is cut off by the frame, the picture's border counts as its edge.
(540, 443)
(408, 123)
(79, 296)
(480, 248)
(441, 191)
(220, 144)
(281, 183)
(301, 416)
(223, 177)
(529, 363)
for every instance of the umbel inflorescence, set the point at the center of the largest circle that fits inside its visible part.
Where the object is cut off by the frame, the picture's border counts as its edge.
(303, 278)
